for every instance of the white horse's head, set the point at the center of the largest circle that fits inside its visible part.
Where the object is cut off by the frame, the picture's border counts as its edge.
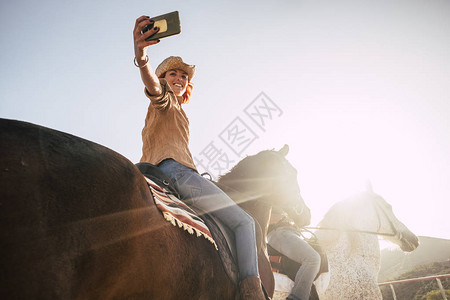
(369, 213)
(390, 228)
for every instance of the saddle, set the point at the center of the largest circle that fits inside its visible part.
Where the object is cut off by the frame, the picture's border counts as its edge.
(223, 236)
(157, 176)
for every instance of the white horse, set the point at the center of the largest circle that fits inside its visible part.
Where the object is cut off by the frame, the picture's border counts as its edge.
(349, 236)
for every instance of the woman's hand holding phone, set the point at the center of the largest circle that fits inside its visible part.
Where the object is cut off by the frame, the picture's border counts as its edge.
(148, 31)
(140, 37)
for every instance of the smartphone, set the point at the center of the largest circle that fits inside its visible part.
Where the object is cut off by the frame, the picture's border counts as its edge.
(169, 24)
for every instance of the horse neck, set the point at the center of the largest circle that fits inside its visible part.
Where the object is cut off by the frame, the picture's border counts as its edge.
(355, 245)
(250, 198)
(346, 236)
(353, 271)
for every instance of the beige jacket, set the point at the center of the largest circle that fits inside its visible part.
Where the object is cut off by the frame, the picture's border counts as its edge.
(166, 131)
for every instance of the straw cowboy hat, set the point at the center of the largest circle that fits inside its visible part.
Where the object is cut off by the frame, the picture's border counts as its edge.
(175, 63)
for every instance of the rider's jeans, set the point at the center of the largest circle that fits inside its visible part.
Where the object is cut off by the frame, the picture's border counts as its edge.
(289, 242)
(201, 193)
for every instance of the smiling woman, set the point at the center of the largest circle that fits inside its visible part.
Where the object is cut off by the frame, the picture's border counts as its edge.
(166, 144)
(177, 79)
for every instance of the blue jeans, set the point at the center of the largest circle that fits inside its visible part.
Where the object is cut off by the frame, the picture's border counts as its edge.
(201, 193)
(289, 242)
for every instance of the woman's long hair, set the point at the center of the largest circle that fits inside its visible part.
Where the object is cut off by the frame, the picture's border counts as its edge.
(187, 94)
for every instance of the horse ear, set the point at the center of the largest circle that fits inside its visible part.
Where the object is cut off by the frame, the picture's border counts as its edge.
(284, 151)
(369, 187)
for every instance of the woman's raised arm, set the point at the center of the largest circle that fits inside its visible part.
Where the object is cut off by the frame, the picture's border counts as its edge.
(148, 75)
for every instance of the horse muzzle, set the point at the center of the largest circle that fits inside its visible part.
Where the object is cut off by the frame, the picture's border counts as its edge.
(409, 241)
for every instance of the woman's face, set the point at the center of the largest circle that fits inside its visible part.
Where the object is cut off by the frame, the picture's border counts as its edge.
(178, 80)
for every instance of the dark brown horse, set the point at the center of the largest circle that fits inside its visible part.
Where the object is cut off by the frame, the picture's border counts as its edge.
(77, 221)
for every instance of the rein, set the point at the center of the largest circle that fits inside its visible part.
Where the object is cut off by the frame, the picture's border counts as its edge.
(394, 231)
(350, 230)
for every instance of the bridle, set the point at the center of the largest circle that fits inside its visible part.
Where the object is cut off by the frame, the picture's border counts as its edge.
(377, 207)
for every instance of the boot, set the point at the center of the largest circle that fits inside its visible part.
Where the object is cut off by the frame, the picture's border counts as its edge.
(250, 289)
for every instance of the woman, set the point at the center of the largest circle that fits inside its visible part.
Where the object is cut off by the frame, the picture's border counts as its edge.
(285, 238)
(166, 144)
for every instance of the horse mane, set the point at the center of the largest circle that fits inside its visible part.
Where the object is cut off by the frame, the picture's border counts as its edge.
(235, 176)
(235, 171)
(332, 219)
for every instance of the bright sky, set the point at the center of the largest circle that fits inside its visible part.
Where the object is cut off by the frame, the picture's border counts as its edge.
(359, 89)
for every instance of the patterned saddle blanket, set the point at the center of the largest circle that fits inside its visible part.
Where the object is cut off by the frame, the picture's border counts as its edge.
(179, 214)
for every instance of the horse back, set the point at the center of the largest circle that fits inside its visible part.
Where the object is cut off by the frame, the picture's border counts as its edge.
(68, 206)
(77, 221)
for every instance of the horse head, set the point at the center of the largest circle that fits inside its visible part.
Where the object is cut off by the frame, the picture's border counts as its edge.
(391, 228)
(286, 191)
(369, 213)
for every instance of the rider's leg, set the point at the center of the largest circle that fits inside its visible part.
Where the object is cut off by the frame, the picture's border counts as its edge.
(201, 193)
(289, 242)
